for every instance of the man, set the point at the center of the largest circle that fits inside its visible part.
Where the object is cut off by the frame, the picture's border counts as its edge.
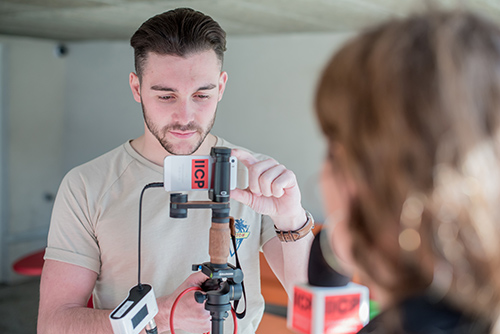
(92, 245)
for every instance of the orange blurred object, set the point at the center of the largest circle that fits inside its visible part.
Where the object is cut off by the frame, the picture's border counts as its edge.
(30, 265)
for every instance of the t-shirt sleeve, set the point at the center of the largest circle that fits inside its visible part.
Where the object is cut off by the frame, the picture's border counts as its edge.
(71, 236)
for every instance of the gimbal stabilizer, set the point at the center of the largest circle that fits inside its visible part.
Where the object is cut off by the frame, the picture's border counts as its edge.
(225, 280)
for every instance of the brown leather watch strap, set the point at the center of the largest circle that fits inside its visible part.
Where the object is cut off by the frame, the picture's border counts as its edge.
(291, 236)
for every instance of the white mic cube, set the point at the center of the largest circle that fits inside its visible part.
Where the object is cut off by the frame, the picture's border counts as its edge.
(328, 310)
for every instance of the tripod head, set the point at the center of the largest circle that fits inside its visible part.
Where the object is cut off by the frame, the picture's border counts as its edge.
(225, 280)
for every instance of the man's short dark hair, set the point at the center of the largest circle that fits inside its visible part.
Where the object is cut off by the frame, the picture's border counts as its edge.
(178, 32)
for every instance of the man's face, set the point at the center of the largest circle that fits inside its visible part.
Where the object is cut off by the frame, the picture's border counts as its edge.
(179, 98)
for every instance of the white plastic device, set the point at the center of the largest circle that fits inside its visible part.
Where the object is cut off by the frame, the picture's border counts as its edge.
(135, 312)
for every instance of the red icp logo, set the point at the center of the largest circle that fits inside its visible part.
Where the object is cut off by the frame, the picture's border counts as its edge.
(342, 314)
(199, 174)
(302, 310)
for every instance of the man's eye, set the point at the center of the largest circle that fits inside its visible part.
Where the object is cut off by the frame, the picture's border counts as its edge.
(166, 97)
(202, 96)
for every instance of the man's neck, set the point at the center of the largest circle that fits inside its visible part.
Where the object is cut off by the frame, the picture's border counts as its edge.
(154, 152)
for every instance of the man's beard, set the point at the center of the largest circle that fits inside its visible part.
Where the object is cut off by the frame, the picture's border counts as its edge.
(161, 134)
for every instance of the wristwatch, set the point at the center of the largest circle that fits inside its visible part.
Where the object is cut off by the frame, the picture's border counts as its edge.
(291, 236)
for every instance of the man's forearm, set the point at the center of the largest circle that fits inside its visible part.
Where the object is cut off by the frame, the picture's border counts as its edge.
(295, 261)
(295, 253)
(75, 320)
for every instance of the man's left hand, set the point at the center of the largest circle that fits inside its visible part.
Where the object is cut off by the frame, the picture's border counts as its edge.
(273, 190)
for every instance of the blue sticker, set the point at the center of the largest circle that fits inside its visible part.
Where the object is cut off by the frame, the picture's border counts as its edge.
(241, 233)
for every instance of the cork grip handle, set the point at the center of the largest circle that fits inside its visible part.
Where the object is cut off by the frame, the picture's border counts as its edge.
(218, 248)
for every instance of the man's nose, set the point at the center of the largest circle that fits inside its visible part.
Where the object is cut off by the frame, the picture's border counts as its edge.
(184, 112)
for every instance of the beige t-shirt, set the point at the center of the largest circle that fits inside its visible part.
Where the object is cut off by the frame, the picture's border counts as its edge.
(95, 225)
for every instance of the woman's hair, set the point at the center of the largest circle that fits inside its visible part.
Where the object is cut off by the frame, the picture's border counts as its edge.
(179, 32)
(414, 105)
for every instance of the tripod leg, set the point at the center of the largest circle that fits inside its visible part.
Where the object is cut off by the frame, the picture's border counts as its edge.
(217, 325)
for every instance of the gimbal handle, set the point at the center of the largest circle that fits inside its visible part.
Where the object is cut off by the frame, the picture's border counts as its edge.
(219, 243)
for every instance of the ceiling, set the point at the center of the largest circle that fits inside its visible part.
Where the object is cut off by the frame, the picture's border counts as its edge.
(72, 20)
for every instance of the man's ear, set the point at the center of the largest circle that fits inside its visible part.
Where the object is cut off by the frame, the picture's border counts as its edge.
(222, 84)
(135, 86)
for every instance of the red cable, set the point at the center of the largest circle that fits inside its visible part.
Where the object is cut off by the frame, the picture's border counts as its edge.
(174, 305)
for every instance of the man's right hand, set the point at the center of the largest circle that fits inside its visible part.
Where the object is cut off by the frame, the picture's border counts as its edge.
(189, 315)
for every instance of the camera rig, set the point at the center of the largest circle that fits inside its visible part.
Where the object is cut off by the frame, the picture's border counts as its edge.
(225, 282)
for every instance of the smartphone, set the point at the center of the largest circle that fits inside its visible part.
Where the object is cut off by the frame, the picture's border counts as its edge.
(191, 172)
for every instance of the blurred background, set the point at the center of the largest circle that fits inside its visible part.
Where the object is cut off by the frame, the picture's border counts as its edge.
(65, 99)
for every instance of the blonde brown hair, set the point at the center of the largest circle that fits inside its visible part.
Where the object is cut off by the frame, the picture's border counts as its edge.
(415, 104)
